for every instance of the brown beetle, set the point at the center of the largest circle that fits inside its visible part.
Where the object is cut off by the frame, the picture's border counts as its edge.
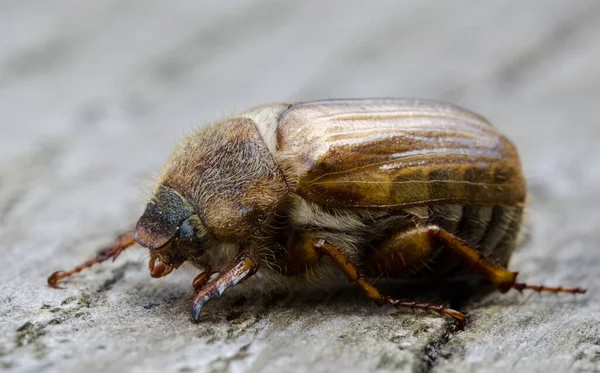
(300, 193)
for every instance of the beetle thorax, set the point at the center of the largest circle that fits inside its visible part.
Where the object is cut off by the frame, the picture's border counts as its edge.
(230, 177)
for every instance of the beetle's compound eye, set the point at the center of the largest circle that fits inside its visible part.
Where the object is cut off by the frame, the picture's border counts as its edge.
(162, 219)
(187, 231)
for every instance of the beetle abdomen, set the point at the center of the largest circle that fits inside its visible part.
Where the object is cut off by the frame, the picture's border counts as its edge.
(375, 239)
(492, 230)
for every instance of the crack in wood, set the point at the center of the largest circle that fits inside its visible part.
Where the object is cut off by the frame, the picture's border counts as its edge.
(436, 349)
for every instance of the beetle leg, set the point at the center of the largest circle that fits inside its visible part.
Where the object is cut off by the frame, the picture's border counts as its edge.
(354, 275)
(244, 266)
(520, 286)
(501, 277)
(112, 251)
(202, 279)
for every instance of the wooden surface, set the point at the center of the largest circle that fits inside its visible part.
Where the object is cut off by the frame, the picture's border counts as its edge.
(93, 96)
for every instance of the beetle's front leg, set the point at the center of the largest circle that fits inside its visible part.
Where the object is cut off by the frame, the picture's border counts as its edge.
(112, 252)
(243, 267)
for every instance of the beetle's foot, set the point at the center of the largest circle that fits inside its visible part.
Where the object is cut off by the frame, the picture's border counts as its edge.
(428, 307)
(548, 289)
(244, 267)
(55, 277)
(113, 251)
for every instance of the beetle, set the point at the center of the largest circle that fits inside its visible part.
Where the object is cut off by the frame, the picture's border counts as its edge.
(305, 193)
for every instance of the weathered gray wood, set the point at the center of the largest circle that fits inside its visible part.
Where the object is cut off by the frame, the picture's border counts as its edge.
(93, 95)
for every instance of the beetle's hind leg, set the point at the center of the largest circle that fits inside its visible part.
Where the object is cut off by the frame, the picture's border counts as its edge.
(354, 275)
(500, 277)
(112, 251)
(520, 286)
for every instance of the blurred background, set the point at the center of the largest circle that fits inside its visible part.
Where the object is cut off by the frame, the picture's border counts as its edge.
(132, 72)
(95, 94)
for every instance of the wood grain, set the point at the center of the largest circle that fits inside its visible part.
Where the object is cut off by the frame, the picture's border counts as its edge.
(94, 95)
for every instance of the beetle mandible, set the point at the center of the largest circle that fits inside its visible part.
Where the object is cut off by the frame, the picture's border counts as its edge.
(356, 189)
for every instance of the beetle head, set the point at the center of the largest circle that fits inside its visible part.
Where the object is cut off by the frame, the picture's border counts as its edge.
(170, 228)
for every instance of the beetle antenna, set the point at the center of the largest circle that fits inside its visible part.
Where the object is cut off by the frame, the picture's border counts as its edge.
(540, 288)
(124, 241)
